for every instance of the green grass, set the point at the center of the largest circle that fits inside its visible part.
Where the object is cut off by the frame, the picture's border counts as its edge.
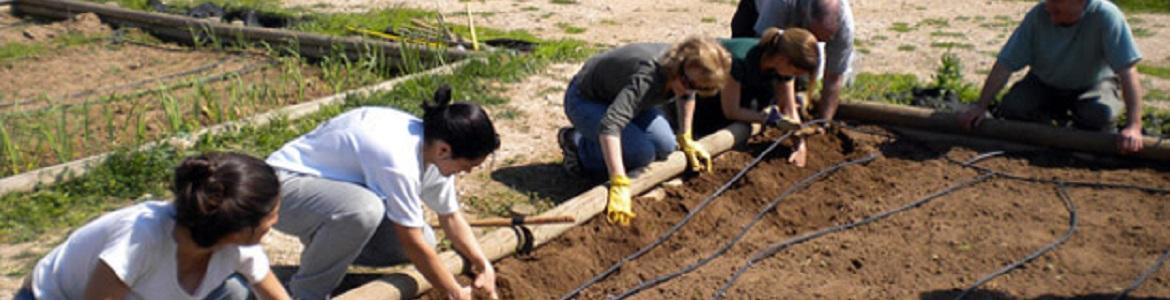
(16, 51)
(563, 2)
(130, 175)
(1157, 95)
(935, 22)
(1144, 6)
(335, 24)
(1155, 71)
(881, 87)
(907, 48)
(569, 28)
(947, 34)
(901, 27)
(1142, 32)
(708, 20)
(952, 45)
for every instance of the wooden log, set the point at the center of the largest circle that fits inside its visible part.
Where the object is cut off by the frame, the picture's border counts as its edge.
(1021, 132)
(503, 222)
(408, 282)
(188, 29)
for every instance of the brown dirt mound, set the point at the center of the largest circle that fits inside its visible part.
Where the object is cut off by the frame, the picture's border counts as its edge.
(924, 253)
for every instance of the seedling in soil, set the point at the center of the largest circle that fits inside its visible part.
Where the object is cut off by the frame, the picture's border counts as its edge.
(901, 27)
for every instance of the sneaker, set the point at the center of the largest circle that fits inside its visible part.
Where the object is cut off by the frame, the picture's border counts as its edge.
(570, 160)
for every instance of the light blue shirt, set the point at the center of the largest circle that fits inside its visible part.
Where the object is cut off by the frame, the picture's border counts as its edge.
(379, 148)
(1073, 57)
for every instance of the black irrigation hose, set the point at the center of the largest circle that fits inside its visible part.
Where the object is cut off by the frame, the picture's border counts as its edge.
(248, 69)
(1145, 275)
(801, 185)
(970, 163)
(777, 247)
(686, 219)
(1072, 227)
(88, 92)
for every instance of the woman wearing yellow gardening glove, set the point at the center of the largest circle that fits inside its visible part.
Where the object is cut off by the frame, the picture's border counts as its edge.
(697, 157)
(612, 104)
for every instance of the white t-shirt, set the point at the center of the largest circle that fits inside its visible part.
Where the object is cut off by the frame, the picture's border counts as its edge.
(138, 244)
(381, 149)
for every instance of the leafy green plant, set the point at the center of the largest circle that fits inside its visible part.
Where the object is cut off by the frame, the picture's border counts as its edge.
(949, 76)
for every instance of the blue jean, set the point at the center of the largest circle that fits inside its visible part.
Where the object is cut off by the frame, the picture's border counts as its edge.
(648, 136)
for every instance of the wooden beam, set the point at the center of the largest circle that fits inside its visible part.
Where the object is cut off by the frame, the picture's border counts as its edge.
(1021, 132)
(408, 282)
(189, 30)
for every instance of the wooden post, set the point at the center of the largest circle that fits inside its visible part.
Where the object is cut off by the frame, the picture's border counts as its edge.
(188, 29)
(1021, 132)
(407, 282)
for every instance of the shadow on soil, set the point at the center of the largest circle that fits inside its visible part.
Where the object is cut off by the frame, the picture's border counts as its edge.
(544, 180)
(989, 294)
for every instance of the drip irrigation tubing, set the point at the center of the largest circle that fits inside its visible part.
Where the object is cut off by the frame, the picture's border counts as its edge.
(88, 92)
(1145, 276)
(248, 69)
(1072, 228)
(799, 186)
(970, 163)
(686, 219)
(777, 247)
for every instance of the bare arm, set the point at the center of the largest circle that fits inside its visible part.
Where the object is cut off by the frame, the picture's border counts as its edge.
(831, 94)
(729, 100)
(457, 229)
(686, 112)
(426, 260)
(785, 92)
(1130, 139)
(991, 86)
(270, 288)
(611, 150)
(105, 284)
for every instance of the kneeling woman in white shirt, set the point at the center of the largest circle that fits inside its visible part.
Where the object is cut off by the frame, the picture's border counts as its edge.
(204, 245)
(354, 187)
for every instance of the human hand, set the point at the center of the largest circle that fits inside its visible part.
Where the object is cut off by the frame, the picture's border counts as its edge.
(697, 158)
(972, 117)
(463, 293)
(485, 282)
(1129, 140)
(618, 209)
(799, 156)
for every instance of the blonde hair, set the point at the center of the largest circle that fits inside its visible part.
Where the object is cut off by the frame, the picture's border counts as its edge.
(798, 47)
(704, 58)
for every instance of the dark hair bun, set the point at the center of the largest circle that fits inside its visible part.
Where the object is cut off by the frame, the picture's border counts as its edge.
(441, 100)
(217, 194)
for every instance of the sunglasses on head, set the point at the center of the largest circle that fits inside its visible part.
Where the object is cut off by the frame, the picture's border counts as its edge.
(690, 84)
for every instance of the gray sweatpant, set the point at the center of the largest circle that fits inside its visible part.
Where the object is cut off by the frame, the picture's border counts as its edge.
(340, 223)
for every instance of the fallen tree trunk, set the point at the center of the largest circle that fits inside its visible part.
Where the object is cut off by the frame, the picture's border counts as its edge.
(1021, 132)
(407, 282)
(191, 30)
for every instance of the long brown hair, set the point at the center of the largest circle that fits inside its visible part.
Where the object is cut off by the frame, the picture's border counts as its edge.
(798, 47)
(709, 61)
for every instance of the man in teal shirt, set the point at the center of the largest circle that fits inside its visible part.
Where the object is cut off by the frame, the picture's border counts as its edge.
(1079, 53)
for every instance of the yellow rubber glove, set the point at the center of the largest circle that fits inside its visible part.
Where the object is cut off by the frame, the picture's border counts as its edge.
(697, 157)
(619, 209)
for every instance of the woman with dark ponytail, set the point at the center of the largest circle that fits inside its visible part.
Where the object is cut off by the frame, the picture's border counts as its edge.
(354, 190)
(203, 245)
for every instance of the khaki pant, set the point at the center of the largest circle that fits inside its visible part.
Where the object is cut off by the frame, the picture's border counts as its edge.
(1093, 109)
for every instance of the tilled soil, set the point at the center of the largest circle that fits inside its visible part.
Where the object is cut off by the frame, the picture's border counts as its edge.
(929, 252)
